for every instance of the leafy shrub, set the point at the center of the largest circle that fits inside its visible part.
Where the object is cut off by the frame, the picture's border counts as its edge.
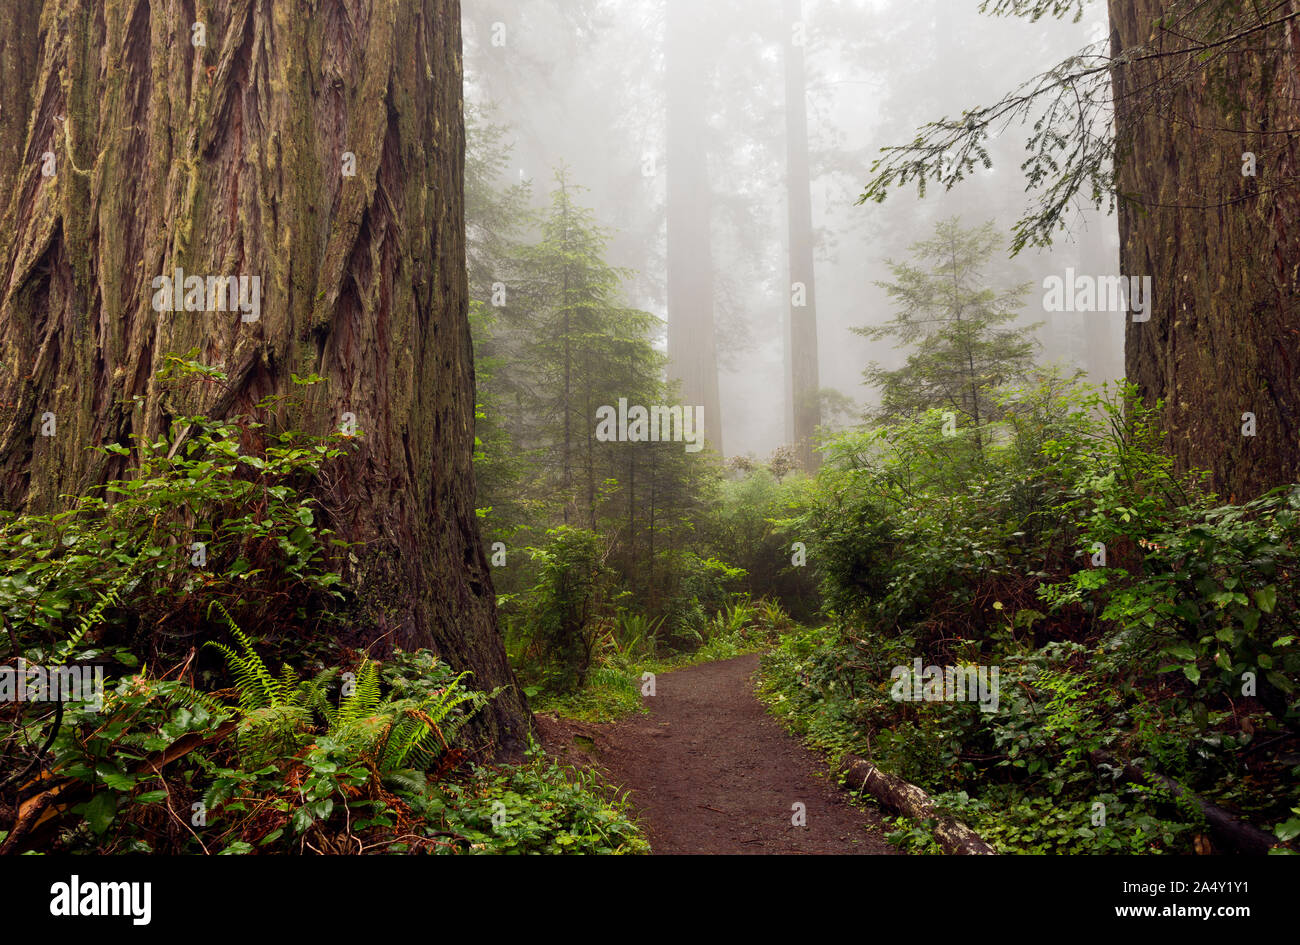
(540, 807)
(277, 763)
(204, 515)
(988, 549)
(696, 590)
(561, 616)
(752, 526)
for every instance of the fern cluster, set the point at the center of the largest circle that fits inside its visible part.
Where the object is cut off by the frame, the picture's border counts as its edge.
(391, 733)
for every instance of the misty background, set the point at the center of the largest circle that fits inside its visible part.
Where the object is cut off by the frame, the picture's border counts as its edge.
(585, 84)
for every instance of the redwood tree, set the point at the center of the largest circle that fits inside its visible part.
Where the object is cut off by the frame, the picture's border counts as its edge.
(805, 392)
(1201, 154)
(316, 145)
(1208, 122)
(692, 344)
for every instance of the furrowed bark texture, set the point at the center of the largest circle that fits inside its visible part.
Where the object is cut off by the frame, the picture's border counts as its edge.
(1223, 248)
(228, 159)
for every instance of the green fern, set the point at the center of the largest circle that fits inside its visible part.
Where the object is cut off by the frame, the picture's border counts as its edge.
(365, 698)
(258, 689)
(275, 711)
(420, 732)
(392, 734)
(92, 618)
(180, 695)
(408, 780)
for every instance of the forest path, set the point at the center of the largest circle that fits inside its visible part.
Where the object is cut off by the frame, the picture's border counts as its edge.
(710, 771)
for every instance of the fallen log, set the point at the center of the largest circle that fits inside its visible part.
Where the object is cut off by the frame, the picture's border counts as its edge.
(1229, 831)
(908, 799)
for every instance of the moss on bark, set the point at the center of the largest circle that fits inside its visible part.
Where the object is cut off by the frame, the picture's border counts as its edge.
(1223, 247)
(227, 159)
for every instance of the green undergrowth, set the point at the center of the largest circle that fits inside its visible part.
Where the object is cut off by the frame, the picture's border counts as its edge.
(613, 689)
(1021, 777)
(363, 757)
(242, 727)
(542, 807)
(1134, 619)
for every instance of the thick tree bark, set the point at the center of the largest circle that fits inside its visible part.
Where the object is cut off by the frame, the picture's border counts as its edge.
(805, 390)
(229, 158)
(692, 347)
(1222, 247)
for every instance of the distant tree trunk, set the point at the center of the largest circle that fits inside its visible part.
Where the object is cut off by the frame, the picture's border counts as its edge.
(692, 348)
(787, 375)
(631, 513)
(591, 441)
(1103, 332)
(228, 157)
(805, 383)
(1222, 248)
(650, 532)
(568, 410)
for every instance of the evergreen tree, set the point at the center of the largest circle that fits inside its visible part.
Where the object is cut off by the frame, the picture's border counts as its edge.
(496, 217)
(551, 349)
(576, 319)
(955, 323)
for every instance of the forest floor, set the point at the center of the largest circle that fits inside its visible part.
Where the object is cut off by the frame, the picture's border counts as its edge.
(710, 771)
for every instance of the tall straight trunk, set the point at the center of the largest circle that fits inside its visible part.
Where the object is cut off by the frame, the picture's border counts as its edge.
(1222, 247)
(804, 379)
(650, 532)
(692, 348)
(590, 411)
(568, 370)
(787, 378)
(1103, 332)
(631, 511)
(228, 158)
(567, 478)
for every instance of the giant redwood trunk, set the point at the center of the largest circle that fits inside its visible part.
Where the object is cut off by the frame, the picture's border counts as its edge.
(129, 149)
(805, 386)
(692, 345)
(1222, 247)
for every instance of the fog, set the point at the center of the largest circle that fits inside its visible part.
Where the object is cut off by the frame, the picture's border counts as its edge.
(587, 84)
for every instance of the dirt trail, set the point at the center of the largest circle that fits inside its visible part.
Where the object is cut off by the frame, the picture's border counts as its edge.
(711, 772)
